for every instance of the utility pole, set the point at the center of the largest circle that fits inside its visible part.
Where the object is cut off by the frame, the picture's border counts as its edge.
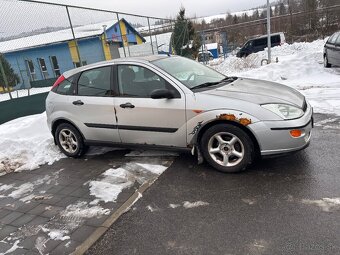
(268, 32)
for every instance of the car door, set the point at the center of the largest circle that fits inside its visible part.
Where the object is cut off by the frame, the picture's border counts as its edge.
(143, 120)
(337, 52)
(331, 48)
(92, 106)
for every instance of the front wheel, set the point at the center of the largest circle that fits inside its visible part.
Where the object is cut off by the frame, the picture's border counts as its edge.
(69, 140)
(227, 148)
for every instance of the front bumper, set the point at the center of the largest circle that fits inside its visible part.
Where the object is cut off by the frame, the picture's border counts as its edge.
(274, 136)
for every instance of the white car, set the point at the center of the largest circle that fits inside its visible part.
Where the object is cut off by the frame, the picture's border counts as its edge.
(175, 103)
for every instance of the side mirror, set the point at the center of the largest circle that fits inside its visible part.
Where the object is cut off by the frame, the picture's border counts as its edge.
(162, 93)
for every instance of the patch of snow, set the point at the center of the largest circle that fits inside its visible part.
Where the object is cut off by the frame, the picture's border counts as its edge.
(249, 201)
(137, 198)
(82, 210)
(56, 234)
(152, 209)
(111, 185)
(26, 144)
(156, 169)
(174, 205)
(189, 205)
(326, 204)
(13, 248)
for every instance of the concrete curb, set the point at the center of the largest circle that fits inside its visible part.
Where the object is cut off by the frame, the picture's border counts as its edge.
(82, 248)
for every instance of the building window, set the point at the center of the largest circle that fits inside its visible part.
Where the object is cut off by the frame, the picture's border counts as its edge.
(55, 66)
(43, 68)
(31, 70)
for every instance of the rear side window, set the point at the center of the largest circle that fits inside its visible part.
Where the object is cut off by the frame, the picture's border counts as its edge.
(95, 82)
(333, 38)
(65, 88)
(275, 39)
(260, 42)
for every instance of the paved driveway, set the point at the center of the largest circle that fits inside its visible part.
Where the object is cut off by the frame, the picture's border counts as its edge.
(287, 205)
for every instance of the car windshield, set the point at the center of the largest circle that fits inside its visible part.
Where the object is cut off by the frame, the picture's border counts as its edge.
(191, 73)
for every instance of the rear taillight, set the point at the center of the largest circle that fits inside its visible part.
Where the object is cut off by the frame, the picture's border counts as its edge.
(58, 81)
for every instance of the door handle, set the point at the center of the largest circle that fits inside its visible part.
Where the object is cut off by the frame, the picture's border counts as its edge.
(127, 105)
(78, 102)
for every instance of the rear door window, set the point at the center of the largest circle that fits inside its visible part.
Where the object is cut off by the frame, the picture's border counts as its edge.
(95, 82)
(275, 39)
(65, 87)
(260, 42)
(137, 81)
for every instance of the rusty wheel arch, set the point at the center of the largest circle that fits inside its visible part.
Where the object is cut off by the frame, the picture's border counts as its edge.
(244, 128)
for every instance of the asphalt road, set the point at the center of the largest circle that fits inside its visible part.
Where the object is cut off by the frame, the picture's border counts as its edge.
(286, 205)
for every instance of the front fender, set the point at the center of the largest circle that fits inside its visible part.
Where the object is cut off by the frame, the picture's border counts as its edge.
(195, 124)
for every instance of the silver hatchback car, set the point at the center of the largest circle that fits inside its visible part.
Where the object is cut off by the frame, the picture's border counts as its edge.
(170, 102)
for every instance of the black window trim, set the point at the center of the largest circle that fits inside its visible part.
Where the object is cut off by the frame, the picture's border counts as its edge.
(112, 86)
(136, 64)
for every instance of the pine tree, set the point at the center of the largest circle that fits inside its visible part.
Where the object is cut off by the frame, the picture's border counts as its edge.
(186, 42)
(12, 77)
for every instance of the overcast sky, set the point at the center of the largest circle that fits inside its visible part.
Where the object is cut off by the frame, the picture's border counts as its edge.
(168, 7)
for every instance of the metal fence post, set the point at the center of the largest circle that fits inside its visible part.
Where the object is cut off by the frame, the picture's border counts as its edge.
(2, 70)
(121, 34)
(268, 32)
(74, 37)
(150, 36)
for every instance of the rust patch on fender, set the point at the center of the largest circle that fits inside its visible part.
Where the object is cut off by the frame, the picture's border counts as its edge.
(245, 121)
(232, 117)
(224, 116)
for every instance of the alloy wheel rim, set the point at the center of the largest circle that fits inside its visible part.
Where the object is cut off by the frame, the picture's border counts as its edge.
(226, 149)
(68, 141)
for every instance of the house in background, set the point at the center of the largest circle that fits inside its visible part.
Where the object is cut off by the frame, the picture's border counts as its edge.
(42, 58)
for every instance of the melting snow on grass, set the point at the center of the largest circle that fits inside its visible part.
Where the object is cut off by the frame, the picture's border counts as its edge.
(300, 65)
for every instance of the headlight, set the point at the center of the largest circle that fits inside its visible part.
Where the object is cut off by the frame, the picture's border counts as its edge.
(285, 111)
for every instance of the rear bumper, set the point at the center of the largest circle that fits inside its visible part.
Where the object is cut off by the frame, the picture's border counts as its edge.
(274, 136)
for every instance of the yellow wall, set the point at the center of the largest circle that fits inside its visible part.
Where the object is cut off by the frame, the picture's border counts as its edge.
(74, 52)
(138, 39)
(106, 48)
(123, 30)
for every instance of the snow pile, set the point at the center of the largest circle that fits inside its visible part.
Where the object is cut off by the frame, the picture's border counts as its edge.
(26, 143)
(189, 205)
(300, 65)
(113, 181)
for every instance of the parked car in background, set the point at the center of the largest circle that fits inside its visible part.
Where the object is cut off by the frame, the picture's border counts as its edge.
(331, 53)
(171, 102)
(204, 56)
(260, 43)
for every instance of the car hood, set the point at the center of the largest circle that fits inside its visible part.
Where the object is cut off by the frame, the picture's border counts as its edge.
(259, 92)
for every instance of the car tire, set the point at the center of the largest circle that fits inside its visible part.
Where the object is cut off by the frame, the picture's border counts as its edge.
(325, 62)
(227, 148)
(70, 141)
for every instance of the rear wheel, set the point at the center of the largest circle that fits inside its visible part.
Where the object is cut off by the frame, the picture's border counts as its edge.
(325, 62)
(227, 148)
(70, 140)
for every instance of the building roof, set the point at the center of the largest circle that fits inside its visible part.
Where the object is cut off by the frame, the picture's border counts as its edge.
(64, 35)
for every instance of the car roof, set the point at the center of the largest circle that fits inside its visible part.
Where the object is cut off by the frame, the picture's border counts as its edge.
(142, 59)
(265, 36)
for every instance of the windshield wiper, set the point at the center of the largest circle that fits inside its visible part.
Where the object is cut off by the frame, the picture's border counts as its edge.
(208, 84)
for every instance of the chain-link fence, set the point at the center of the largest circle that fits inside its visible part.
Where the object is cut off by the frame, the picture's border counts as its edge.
(40, 41)
(301, 26)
